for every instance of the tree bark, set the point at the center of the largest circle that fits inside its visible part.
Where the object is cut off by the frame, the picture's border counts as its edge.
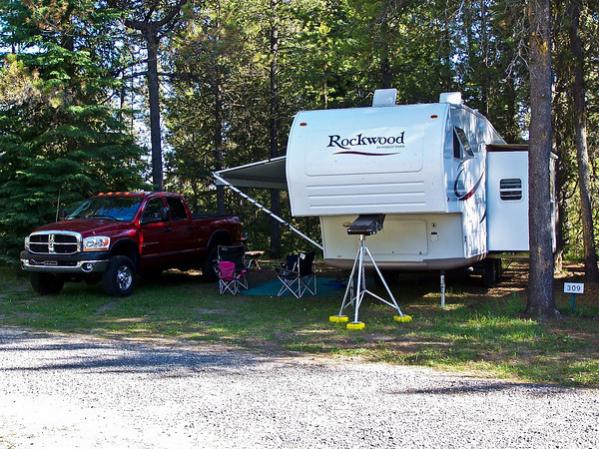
(560, 183)
(541, 303)
(150, 30)
(386, 73)
(582, 154)
(445, 50)
(484, 82)
(511, 100)
(275, 197)
(218, 142)
(218, 120)
(152, 42)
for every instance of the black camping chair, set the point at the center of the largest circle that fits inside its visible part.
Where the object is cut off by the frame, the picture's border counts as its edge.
(297, 275)
(234, 254)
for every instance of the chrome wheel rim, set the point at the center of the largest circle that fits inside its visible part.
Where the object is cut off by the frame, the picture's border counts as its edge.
(124, 277)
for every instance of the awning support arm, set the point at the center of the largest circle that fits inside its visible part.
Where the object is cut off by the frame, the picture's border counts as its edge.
(223, 181)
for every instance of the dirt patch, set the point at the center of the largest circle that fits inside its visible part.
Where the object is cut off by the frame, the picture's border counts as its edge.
(107, 307)
(200, 311)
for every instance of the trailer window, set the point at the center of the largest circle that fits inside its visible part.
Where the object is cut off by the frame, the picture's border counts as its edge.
(457, 148)
(461, 140)
(510, 189)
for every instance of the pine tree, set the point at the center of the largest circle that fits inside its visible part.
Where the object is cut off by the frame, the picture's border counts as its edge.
(153, 20)
(60, 135)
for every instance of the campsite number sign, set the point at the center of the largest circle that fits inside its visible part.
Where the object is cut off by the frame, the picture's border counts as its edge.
(574, 288)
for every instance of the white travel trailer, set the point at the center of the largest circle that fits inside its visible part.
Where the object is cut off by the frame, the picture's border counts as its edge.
(453, 192)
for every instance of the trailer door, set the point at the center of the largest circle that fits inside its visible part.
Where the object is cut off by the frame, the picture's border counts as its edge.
(507, 199)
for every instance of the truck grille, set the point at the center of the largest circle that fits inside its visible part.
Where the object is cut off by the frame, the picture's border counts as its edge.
(54, 243)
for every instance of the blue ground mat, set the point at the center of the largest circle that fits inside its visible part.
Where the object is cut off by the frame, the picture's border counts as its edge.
(326, 286)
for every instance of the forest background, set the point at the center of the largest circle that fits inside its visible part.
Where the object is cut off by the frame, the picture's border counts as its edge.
(79, 110)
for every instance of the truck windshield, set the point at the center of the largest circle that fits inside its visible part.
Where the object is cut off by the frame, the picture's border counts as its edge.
(118, 208)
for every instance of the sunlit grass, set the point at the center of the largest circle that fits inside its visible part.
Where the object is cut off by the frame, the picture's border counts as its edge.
(478, 330)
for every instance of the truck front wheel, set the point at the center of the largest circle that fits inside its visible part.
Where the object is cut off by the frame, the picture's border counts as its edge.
(46, 283)
(119, 277)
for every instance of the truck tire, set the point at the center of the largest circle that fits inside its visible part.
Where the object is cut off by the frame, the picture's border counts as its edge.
(119, 277)
(46, 283)
(208, 273)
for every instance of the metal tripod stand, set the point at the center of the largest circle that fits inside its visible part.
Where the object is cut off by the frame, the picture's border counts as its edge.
(356, 295)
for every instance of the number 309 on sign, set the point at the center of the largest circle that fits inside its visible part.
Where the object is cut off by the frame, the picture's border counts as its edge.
(575, 288)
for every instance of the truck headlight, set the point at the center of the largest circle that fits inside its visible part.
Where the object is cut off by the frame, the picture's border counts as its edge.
(96, 243)
(27, 243)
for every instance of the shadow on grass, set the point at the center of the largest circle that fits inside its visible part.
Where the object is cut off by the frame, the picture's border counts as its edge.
(460, 389)
(121, 358)
(476, 388)
(479, 330)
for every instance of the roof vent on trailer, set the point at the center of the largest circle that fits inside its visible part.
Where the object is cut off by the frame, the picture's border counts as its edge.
(384, 97)
(451, 97)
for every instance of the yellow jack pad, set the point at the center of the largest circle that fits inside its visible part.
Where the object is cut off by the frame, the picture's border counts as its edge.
(355, 326)
(402, 318)
(338, 319)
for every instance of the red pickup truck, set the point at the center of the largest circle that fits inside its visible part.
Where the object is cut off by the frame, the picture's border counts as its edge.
(114, 236)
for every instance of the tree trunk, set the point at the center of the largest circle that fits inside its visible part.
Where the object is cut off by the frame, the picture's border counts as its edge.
(484, 82)
(325, 90)
(541, 303)
(445, 50)
(150, 31)
(275, 197)
(122, 99)
(561, 179)
(152, 42)
(582, 154)
(218, 120)
(386, 73)
(511, 100)
(218, 143)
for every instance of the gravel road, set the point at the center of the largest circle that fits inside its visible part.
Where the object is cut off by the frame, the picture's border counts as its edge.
(71, 391)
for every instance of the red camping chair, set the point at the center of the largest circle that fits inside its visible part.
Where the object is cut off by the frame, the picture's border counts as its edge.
(234, 256)
(227, 277)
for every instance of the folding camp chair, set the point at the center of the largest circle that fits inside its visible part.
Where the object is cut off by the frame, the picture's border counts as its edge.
(227, 277)
(235, 255)
(297, 275)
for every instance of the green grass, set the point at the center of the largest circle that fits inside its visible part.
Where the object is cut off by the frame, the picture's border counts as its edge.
(478, 330)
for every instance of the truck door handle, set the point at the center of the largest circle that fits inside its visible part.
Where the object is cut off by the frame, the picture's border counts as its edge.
(167, 229)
